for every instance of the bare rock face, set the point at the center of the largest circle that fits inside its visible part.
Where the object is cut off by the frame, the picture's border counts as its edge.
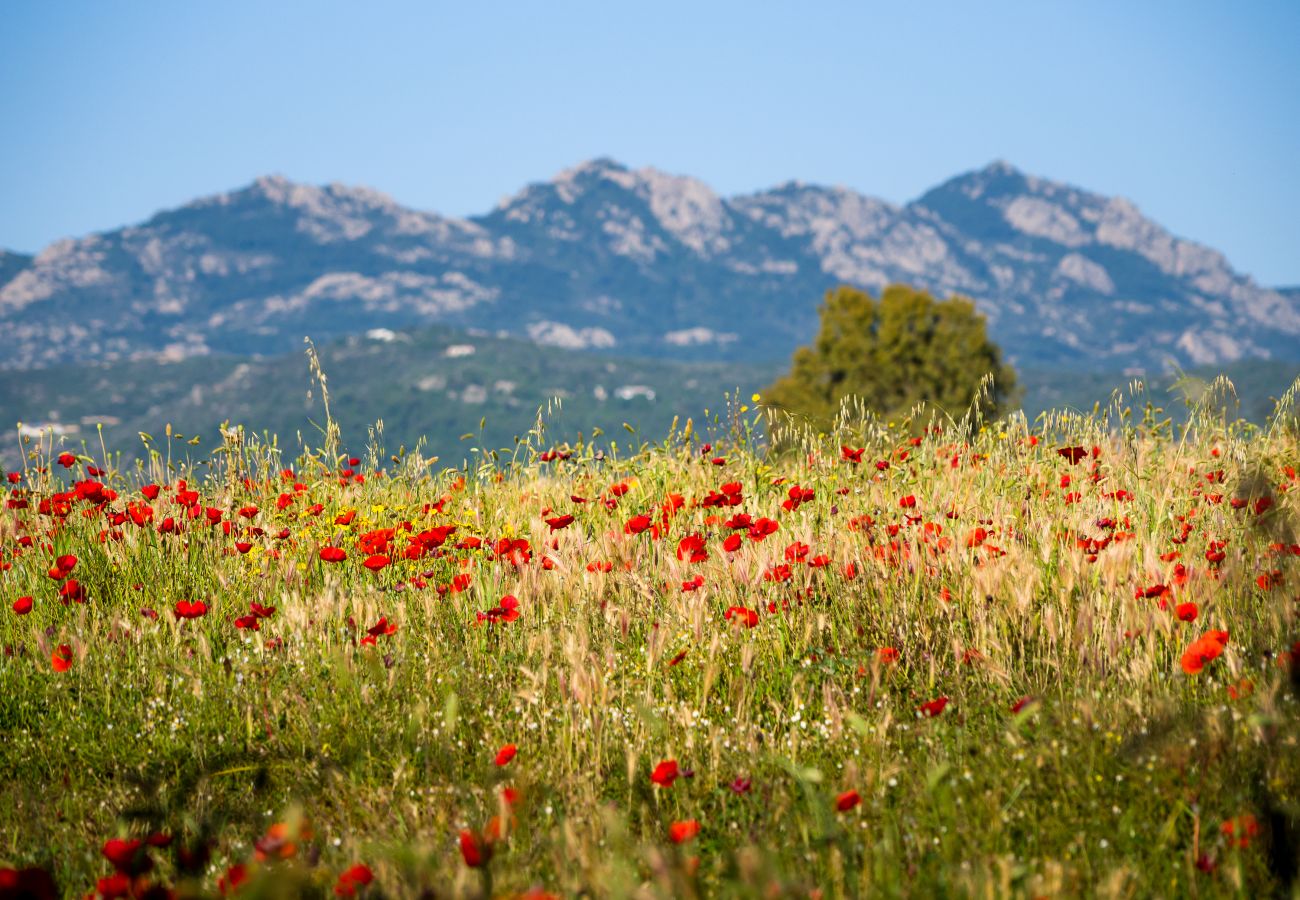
(603, 256)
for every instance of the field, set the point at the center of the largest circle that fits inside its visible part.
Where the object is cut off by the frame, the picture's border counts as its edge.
(930, 658)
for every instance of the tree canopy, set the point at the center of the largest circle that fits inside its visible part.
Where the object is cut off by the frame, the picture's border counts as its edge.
(893, 353)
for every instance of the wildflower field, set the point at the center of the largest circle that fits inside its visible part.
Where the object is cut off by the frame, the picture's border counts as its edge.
(929, 658)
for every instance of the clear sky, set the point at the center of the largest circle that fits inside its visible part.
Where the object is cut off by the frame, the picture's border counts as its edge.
(112, 111)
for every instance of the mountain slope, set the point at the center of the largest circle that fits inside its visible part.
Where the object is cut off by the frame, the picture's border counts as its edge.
(642, 262)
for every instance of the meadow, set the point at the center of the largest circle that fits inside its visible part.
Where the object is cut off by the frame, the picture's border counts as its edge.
(917, 658)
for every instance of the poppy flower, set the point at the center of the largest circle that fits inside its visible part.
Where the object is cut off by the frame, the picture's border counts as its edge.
(32, 882)
(61, 658)
(72, 592)
(732, 543)
(691, 549)
(279, 842)
(1022, 703)
(558, 522)
(908, 502)
(186, 609)
(474, 850)
(1187, 612)
(1240, 830)
(1207, 648)
(932, 708)
(22, 606)
(333, 554)
(847, 800)
(887, 656)
(666, 773)
(1072, 454)
(848, 454)
(376, 562)
(67, 460)
(636, 524)
(681, 832)
(741, 785)
(742, 614)
(505, 755)
(382, 628)
(678, 658)
(359, 875)
(130, 857)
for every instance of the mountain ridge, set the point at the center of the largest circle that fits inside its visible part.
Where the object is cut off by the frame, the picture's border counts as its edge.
(640, 261)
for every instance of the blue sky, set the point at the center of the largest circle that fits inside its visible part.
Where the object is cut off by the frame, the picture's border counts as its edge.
(112, 111)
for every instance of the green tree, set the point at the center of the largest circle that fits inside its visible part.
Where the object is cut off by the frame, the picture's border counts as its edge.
(892, 354)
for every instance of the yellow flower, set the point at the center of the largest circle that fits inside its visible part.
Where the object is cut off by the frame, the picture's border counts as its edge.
(755, 398)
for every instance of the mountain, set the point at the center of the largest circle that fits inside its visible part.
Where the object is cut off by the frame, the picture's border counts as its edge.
(639, 262)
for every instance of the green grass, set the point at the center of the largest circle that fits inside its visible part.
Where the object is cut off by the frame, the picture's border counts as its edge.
(1116, 779)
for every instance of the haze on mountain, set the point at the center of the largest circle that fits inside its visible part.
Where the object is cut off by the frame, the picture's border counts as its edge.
(644, 263)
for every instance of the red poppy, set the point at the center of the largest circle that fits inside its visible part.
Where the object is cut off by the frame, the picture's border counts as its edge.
(186, 609)
(1073, 454)
(848, 454)
(932, 708)
(505, 755)
(382, 628)
(742, 614)
(61, 658)
(376, 561)
(67, 460)
(908, 502)
(333, 554)
(847, 800)
(1022, 703)
(130, 857)
(32, 882)
(732, 543)
(666, 773)
(691, 549)
(558, 522)
(637, 524)
(22, 606)
(681, 832)
(1240, 830)
(887, 656)
(1187, 612)
(359, 875)
(474, 850)
(1207, 648)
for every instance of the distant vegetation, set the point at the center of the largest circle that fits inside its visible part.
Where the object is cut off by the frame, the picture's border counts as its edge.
(428, 385)
(904, 349)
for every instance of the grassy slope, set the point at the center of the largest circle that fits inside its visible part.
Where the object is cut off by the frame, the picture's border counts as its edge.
(1115, 780)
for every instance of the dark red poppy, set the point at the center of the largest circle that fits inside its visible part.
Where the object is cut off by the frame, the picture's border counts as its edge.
(847, 800)
(333, 554)
(474, 850)
(932, 708)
